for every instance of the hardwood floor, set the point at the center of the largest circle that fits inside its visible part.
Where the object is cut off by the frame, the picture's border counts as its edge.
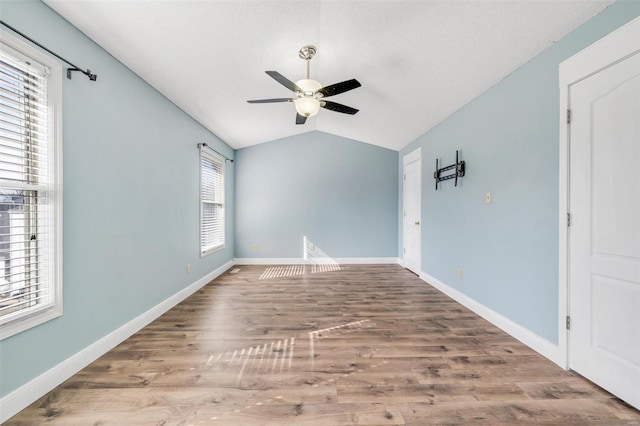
(366, 345)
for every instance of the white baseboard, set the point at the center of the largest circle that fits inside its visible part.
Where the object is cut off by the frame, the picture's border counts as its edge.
(25, 395)
(535, 342)
(301, 261)
(367, 260)
(270, 261)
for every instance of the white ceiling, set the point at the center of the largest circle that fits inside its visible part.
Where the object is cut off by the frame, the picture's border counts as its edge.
(418, 61)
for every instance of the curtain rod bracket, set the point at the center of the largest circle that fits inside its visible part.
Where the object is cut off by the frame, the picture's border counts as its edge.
(92, 77)
(201, 144)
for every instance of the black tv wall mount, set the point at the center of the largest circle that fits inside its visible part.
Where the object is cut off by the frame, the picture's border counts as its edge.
(458, 171)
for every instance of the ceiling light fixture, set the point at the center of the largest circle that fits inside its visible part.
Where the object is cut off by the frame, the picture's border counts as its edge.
(307, 107)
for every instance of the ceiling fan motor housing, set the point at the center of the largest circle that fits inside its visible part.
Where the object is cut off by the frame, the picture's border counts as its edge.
(309, 87)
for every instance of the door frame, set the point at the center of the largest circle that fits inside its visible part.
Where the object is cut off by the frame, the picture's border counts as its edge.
(606, 52)
(411, 157)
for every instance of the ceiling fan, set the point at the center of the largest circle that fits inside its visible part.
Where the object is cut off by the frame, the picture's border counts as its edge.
(309, 93)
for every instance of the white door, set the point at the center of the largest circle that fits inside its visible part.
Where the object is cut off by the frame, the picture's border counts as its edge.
(604, 236)
(411, 223)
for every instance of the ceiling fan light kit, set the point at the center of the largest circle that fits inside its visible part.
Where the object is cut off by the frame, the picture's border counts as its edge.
(307, 103)
(307, 107)
(310, 93)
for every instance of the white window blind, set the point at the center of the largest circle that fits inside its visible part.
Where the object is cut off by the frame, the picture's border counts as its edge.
(27, 191)
(211, 201)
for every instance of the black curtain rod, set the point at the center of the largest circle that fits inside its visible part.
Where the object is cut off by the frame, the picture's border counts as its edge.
(92, 77)
(200, 145)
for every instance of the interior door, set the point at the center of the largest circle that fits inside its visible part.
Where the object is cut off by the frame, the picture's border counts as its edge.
(411, 223)
(604, 236)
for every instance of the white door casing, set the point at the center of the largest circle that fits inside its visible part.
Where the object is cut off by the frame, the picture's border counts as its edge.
(411, 224)
(602, 190)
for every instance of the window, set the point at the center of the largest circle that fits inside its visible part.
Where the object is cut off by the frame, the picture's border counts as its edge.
(211, 201)
(30, 187)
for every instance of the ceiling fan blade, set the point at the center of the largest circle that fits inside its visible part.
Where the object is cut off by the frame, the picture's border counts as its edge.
(269, 101)
(336, 89)
(300, 119)
(284, 81)
(334, 106)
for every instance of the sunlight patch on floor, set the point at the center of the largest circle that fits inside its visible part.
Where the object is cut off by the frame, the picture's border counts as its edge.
(282, 271)
(316, 261)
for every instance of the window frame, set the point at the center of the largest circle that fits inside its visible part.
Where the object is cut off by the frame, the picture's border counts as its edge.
(214, 157)
(47, 311)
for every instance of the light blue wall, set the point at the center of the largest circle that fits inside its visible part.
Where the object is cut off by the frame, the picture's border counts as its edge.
(508, 136)
(340, 193)
(131, 217)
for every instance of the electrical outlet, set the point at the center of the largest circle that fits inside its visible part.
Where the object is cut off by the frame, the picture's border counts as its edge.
(459, 273)
(255, 247)
(487, 198)
(188, 268)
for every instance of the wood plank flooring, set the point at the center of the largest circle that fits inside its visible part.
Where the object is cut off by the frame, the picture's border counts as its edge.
(364, 345)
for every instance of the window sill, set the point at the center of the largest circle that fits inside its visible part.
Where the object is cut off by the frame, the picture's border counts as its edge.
(211, 250)
(29, 321)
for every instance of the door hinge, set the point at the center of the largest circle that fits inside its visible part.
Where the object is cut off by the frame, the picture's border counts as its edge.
(404, 251)
(404, 176)
(568, 220)
(568, 116)
(568, 322)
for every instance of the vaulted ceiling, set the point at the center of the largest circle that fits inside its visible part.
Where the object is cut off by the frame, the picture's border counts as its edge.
(417, 61)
